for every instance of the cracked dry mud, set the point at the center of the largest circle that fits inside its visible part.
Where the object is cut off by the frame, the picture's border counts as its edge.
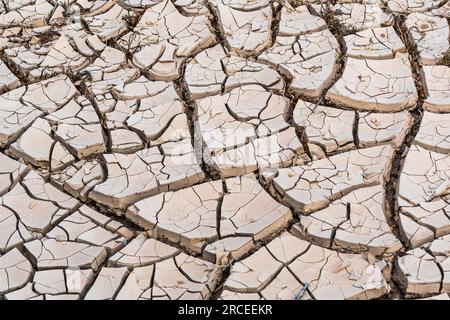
(224, 149)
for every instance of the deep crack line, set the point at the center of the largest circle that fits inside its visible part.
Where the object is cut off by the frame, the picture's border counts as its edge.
(394, 169)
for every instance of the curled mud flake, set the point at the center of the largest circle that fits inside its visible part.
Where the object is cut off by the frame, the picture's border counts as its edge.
(205, 215)
(125, 141)
(224, 149)
(8, 80)
(418, 273)
(243, 130)
(132, 177)
(314, 186)
(37, 204)
(434, 132)
(164, 38)
(78, 178)
(39, 62)
(409, 6)
(300, 21)
(178, 276)
(354, 223)
(107, 284)
(32, 13)
(13, 232)
(247, 30)
(329, 275)
(309, 60)
(11, 173)
(107, 75)
(443, 11)
(281, 149)
(142, 251)
(425, 271)
(376, 43)
(89, 226)
(355, 17)
(187, 217)
(327, 127)
(442, 296)
(377, 128)
(212, 69)
(110, 24)
(160, 118)
(191, 7)
(15, 270)
(253, 273)
(423, 191)
(79, 128)
(438, 83)
(248, 210)
(51, 94)
(431, 35)
(52, 253)
(55, 284)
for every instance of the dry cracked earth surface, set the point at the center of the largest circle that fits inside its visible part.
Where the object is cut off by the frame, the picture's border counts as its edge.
(224, 149)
